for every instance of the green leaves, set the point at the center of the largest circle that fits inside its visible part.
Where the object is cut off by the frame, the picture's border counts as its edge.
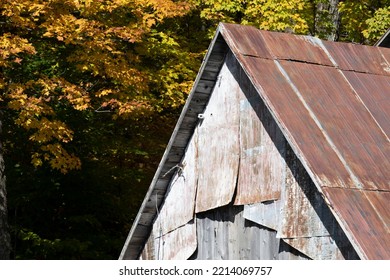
(364, 21)
(377, 25)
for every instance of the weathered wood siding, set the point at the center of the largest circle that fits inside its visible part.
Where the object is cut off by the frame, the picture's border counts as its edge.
(262, 146)
(240, 192)
(225, 234)
(219, 144)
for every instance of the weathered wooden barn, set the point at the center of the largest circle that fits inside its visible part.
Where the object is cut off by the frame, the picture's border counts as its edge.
(281, 152)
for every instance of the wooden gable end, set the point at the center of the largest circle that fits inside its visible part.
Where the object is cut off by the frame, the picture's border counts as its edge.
(240, 192)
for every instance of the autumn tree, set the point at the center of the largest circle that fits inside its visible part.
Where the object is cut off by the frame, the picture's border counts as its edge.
(86, 55)
(71, 70)
(358, 21)
(90, 91)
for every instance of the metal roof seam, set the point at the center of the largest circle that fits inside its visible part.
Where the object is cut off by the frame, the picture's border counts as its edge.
(376, 210)
(347, 230)
(364, 104)
(361, 72)
(319, 125)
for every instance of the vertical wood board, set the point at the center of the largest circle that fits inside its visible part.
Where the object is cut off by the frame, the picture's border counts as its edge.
(179, 204)
(261, 172)
(224, 233)
(179, 244)
(218, 144)
(304, 212)
(267, 214)
(317, 248)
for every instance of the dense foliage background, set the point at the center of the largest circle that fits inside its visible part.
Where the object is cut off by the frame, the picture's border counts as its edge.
(91, 90)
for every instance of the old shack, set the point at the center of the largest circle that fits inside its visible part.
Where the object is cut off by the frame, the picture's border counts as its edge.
(281, 152)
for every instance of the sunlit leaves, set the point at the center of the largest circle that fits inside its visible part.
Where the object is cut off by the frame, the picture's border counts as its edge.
(11, 46)
(362, 20)
(87, 55)
(377, 25)
(281, 15)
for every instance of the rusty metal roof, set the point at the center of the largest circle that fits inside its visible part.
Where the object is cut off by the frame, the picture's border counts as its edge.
(330, 100)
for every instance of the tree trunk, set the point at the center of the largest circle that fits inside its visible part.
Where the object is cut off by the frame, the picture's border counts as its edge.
(328, 20)
(4, 233)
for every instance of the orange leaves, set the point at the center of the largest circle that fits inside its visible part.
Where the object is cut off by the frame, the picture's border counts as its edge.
(11, 46)
(72, 30)
(76, 95)
(57, 157)
(47, 130)
(130, 34)
(129, 109)
(33, 102)
(28, 106)
(87, 54)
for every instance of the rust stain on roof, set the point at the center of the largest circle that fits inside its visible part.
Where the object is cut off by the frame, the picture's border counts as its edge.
(331, 100)
(358, 58)
(366, 217)
(297, 48)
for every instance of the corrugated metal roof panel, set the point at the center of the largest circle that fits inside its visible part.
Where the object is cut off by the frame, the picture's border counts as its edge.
(264, 213)
(386, 54)
(296, 48)
(326, 120)
(246, 40)
(296, 122)
(180, 198)
(262, 146)
(310, 246)
(304, 212)
(374, 91)
(225, 234)
(261, 164)
(358, 58)
(349, 127)
(179, 244)
(365, 215)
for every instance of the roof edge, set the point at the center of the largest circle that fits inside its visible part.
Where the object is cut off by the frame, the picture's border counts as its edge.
(167, 164)
(384, 41)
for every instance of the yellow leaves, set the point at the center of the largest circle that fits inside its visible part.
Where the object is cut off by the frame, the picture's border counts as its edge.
(377, 25)
(49, 130)
(12, 46)
(222, 10)
(363, 21)
(36, 160)
(72, 30)
(97, 45)
(283, 15)
(130, 34)
(76, 95)
(57, 157)
(32, 101)
(164, 8)
(104, 92)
